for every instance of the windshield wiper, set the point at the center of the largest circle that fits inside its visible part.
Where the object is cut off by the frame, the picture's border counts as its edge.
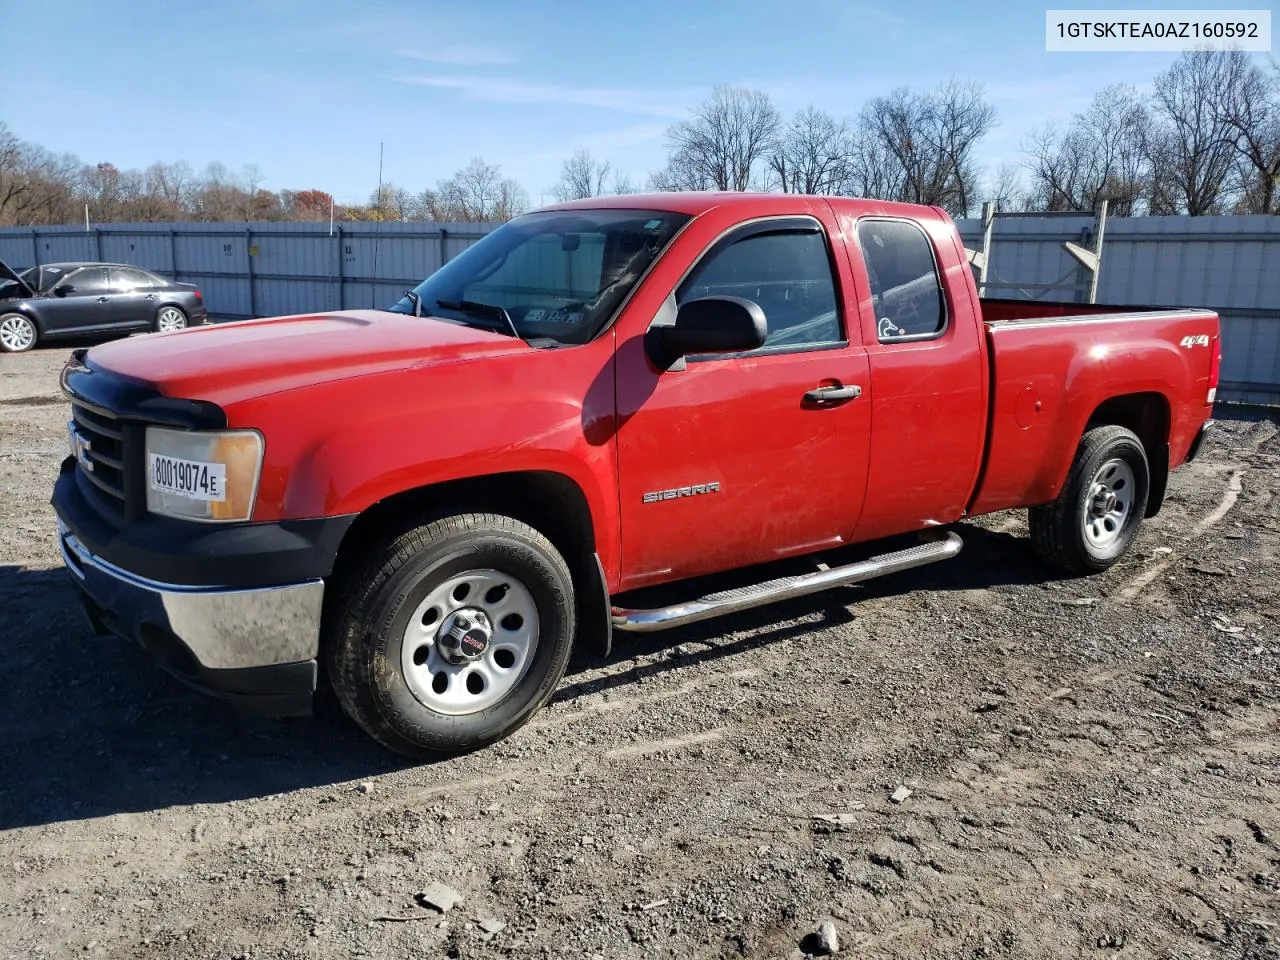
(482, 310)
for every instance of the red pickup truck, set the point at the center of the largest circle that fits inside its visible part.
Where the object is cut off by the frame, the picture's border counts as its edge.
(426, 507)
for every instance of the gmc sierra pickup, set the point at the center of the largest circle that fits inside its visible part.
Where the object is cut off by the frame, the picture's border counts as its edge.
(426, 507)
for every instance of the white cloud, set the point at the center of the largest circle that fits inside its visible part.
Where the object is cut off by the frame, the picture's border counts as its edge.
(461, 56)
(658, 103)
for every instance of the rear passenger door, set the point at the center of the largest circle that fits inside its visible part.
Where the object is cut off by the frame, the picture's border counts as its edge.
(928, 374)
(132, 297)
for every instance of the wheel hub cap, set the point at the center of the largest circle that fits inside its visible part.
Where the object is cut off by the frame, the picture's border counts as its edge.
(1108, 509)
(16, 333)
(469, 642)
(1104, 502)
(465, 635)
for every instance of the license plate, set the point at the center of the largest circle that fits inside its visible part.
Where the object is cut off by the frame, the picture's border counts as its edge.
(191, 479)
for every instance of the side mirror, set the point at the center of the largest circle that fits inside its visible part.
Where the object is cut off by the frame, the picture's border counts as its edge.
(63, 289)
(708, 325)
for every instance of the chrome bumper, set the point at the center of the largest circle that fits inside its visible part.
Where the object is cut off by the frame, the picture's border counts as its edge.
(210, 628)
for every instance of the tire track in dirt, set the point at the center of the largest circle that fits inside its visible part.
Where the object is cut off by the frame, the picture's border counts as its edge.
(1139, 583)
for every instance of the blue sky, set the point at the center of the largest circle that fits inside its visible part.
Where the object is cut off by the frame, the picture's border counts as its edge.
(306, 89)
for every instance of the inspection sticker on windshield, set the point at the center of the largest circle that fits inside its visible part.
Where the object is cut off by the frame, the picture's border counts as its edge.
(188, 478)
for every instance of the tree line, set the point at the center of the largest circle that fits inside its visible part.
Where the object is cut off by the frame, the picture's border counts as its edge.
(1205, 141)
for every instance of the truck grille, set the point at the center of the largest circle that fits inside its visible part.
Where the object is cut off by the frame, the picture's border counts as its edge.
(100, 459)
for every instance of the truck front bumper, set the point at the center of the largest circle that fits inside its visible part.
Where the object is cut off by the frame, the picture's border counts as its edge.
(254, 647)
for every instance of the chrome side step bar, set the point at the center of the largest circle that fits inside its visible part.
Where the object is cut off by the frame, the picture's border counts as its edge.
(785, 588)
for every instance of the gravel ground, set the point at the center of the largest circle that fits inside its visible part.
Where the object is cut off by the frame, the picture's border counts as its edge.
(1093, 767)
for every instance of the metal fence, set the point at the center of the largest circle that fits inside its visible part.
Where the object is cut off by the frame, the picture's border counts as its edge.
(1228, 264)
(261, 269)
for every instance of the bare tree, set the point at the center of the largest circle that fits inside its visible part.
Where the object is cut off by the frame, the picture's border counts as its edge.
(1193, 148)
(581, 176)
(932, 138)
(478, 193)
(1102, 155)
(873, 169)
(622, 184)
(1252, 112)
(682, 172)
(813, 155)
(725, 144)
(167, 186)
(391, 203)
(1006, 190)
(217, 196)
(250, 182)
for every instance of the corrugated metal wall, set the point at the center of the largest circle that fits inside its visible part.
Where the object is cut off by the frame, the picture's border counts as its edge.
(1228, 264)
(261, 269)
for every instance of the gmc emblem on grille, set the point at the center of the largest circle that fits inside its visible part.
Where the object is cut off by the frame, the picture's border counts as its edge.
(675, 493)
(80, 447)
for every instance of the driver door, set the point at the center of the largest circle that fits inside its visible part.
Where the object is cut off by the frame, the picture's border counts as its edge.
(736, 459)
(86, 307)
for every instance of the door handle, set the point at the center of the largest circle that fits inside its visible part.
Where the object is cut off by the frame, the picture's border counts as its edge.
(833, 394)
(151, 296)
(104, 299)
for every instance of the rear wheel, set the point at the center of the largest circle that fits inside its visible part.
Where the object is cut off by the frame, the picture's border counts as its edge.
(17, 333)
(1101, 506)
(170, 318)
(452, 634)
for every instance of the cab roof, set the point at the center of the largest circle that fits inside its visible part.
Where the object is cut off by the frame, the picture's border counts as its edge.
(696, 202)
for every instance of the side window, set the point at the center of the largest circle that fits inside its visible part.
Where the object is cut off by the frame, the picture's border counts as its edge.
(787, 273)
(905, 290)
(89, 281)
(124, 280)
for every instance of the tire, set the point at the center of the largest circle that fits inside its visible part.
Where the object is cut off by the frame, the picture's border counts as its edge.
(1100, 508)
(18, 333)
(392, 634)
(168, 318)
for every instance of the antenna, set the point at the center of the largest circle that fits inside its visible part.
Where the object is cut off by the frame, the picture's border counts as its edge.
(377, 232)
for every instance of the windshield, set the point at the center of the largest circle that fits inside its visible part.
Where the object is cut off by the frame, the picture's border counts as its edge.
(558, 274)
(33, 279)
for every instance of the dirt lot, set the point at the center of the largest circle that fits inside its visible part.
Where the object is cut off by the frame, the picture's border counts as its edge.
(1095, 767)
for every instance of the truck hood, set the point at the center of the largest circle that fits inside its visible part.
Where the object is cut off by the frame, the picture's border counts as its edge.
(230, 362)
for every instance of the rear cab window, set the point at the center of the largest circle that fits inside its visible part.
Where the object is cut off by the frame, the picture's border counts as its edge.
(906, 289)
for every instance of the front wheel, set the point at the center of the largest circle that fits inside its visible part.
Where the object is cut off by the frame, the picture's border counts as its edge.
(17, 333)
(451, 635)
(1101, 506)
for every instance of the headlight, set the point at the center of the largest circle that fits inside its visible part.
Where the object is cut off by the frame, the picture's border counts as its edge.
(209, 476)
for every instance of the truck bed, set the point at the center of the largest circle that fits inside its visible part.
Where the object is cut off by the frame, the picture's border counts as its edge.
(1012, 310)
(1054, 364)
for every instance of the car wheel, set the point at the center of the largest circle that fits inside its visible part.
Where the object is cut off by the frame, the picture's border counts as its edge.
(170, 318)
(449, 636)
(1101, 506)
(17, 333)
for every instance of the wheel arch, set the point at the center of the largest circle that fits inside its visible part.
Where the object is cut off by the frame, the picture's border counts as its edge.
(1147, 415)
(552, 503)
(177, 304)
(24, 309)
